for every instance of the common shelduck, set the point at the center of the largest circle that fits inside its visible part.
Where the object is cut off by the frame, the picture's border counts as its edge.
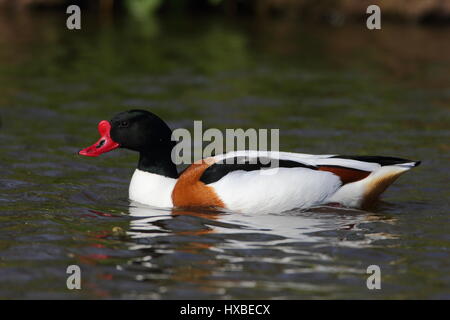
(247, 183)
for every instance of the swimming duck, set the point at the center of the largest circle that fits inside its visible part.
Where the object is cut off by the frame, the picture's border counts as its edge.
(241, 181)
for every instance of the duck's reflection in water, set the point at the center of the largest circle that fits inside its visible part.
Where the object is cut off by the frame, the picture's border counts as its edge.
(213, 252)
(271, 228)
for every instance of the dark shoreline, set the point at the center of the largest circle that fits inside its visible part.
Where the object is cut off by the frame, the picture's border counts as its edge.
(335, 12)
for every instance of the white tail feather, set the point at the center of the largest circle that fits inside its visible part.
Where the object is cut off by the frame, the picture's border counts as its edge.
(365, 192)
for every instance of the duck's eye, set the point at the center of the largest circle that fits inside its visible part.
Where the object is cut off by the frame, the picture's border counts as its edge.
(124, 124)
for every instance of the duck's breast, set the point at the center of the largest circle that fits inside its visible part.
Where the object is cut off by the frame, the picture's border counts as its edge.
(151, 189)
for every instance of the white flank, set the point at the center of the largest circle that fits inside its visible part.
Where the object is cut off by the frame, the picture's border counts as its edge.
(151, 189)
(285, 189)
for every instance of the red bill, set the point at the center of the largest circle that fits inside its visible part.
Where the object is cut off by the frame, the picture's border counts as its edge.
(104, 144)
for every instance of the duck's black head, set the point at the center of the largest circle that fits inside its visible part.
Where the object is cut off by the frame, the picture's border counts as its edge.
(141, 131)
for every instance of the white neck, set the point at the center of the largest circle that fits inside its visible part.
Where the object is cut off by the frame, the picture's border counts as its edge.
(151, 189)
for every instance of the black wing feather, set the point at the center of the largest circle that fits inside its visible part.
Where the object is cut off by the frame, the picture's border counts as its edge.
(218, 170)
(383, 161)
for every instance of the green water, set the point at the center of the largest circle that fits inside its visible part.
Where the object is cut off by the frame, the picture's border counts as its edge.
(342, 90)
